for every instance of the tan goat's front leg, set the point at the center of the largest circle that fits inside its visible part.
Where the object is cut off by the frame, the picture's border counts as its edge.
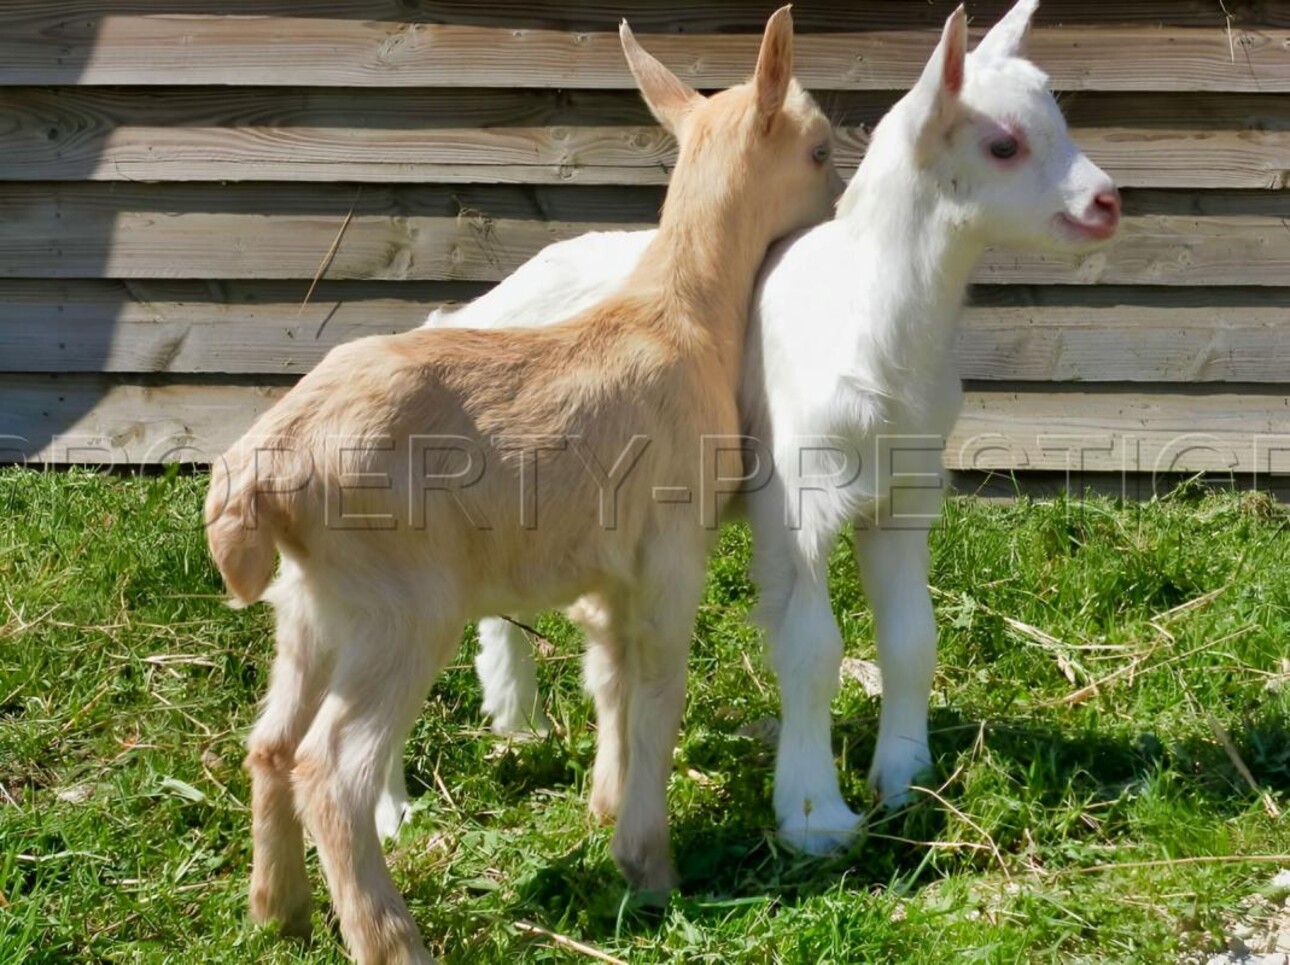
(656, 638)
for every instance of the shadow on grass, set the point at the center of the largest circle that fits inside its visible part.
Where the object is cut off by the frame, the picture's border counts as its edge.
(1013, 770)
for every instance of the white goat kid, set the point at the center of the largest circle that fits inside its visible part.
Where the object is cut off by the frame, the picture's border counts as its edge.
(849, 362)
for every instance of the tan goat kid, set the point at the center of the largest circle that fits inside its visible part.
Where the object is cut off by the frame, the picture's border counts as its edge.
(399, 482)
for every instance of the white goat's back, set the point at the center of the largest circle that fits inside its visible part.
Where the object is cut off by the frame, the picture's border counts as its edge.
(558, 282)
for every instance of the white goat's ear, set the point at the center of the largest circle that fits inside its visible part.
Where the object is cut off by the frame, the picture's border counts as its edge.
(774, 64)
(1007, 38)
(940, 85)
(668, 98)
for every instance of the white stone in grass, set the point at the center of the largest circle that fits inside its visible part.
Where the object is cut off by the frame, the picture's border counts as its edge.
(863, 672)
(1279, 887)
(76, 794)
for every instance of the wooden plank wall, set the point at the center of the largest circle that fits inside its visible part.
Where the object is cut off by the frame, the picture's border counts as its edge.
(172, 173)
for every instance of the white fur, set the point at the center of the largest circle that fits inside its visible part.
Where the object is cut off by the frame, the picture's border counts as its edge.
(850, 347)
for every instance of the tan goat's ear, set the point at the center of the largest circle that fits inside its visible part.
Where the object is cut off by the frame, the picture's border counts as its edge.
(668, 98)
(774, 63)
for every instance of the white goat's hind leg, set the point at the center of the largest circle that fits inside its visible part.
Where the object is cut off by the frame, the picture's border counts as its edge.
(392, 809)
(806, 652)
(894, 565)
(605, 675)
(509, 678)
(279, 884)
(375, 692)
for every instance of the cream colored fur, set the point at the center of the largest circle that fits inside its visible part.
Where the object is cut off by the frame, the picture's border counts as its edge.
(416, 481)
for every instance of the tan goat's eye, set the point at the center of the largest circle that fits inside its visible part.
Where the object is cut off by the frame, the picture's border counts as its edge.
(821, 153)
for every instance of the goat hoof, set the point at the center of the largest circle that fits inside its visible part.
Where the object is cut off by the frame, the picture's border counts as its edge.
(517, 726)
(385, 937)
(893, 782)
(649, 874)
(294, 921)
(603, 807)
(821, 830)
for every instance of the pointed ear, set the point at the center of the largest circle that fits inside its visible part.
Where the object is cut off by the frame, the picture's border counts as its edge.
(941, 83)
(774, 64)
(668, 98)
(1007, 38)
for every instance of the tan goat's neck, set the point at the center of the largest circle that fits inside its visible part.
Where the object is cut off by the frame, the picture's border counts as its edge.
(703, 262)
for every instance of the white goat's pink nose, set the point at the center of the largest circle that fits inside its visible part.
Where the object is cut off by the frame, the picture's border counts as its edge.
(1106, 208)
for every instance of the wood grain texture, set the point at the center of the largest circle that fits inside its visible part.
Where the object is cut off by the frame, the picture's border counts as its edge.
(547, 137)
(130, 48)
(673, 16)
(470, 135)
(1109, 430)
(90, 230)
(1062, 334)
(97, 419)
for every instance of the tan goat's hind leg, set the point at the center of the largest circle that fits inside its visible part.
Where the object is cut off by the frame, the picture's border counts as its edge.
(279, 884)
(658, 643)
(373, 698)
(605, 676)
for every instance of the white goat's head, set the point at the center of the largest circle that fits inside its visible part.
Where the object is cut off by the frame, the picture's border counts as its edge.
(987, 128)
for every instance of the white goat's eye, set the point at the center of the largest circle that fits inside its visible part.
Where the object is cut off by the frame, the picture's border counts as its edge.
(1004, 148)
(821, 153)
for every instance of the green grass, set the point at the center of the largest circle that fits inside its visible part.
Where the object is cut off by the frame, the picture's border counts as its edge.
(126, 689)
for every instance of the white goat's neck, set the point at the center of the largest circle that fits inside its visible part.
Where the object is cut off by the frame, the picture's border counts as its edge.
(917, 254)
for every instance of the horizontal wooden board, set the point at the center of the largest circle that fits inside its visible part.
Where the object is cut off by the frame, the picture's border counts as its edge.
(1103, 429)
(94, 419)
(671, 16)
(1028, 334)
(129, 48)
(547, 137)
(88, 230)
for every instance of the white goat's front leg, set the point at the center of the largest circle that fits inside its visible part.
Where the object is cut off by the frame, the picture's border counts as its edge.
(806, 652)
(508, 675)
(894, 565)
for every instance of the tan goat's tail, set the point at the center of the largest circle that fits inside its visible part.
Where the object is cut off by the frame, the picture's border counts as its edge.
(241, 524)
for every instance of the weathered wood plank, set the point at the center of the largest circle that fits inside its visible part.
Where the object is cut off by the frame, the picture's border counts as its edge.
(89, 230)
(1066, 334)
(546, 137)
(1107, 430)
(1132, 336)
(669, 16)
(298, 50)
(95, 419)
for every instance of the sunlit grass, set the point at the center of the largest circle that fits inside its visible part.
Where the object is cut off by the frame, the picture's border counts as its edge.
(1091, 654)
